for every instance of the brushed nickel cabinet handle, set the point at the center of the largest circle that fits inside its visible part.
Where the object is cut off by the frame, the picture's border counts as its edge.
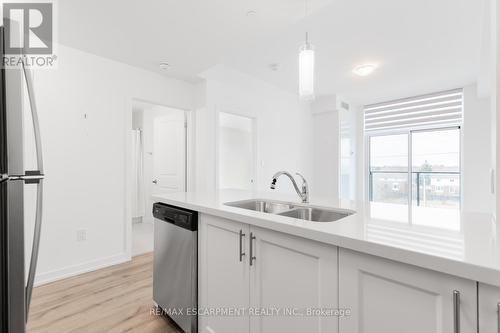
(252, 257)
(456, 311)
(241, 245)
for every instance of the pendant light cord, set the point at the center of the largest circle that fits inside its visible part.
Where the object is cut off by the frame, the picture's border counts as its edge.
(305, 18)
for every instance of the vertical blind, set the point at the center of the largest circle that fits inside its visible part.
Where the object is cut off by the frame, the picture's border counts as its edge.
(442, 109)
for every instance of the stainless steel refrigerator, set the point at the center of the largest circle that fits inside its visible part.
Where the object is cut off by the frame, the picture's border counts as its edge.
(15, 285)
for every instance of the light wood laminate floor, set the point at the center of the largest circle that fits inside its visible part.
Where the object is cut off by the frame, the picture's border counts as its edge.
(114, 299)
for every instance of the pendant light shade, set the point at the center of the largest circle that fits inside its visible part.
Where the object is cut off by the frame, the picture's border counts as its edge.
(306, 72)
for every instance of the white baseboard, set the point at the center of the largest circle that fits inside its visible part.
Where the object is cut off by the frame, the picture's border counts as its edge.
(89, 266)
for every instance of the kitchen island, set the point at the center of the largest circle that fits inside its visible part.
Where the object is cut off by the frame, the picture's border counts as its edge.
(430, 271)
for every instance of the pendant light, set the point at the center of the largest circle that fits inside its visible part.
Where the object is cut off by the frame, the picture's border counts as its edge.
(306, 69)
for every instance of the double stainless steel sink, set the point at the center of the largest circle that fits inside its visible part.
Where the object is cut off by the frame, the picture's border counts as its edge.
(294, 210)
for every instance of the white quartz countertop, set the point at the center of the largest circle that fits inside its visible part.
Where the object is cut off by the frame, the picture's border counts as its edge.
(444, 240)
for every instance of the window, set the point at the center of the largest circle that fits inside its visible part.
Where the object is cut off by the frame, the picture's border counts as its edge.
(414, 151)
(389, 168)
(436, 168)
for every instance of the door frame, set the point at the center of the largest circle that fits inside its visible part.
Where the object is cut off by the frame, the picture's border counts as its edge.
(189, 117)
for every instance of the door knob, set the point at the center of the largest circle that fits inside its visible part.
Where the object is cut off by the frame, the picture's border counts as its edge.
(155, 181)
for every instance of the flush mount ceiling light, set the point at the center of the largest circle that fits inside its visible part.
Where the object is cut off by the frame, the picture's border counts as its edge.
(251, 13)
(364, 70)
(164, 66)
(306, 69)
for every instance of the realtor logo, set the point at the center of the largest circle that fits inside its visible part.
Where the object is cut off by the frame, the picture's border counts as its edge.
(35, 32)
(30, 34)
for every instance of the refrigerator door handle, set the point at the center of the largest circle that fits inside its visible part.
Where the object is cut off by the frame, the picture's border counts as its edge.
(34, 116)
(39, 182)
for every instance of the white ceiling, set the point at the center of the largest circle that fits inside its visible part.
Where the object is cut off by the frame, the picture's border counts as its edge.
(420, 45)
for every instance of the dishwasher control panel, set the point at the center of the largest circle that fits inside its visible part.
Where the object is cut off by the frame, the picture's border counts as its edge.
(181, 217)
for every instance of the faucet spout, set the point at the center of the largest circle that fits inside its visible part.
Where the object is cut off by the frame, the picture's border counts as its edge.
(303, 193)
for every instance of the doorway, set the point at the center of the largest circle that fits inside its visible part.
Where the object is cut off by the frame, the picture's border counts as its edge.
(159, 161)
(236, 152)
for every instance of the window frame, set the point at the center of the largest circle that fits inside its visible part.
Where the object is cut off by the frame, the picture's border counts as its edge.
(409, 132)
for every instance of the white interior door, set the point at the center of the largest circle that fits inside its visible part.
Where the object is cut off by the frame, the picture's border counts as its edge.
(169, 153)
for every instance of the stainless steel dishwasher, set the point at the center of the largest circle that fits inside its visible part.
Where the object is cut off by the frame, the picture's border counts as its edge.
(175, 271)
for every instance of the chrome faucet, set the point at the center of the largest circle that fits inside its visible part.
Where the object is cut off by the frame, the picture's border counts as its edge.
(303, 194)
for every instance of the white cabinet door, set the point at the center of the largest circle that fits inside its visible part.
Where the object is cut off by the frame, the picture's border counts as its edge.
(292, 274)
(223, 278)
(390, 297)
(489, 307)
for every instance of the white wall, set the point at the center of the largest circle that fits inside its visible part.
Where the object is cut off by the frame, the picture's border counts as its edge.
(361, 160)
(348, 154)
(85, 115)
(495, 38)
(326, 154)
(205, 154)
(284, 138)
(488, 89)
(476, 153)
(485, 74)
(327, 140)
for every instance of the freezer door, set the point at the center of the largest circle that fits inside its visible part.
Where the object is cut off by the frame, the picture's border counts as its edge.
(13, 96)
